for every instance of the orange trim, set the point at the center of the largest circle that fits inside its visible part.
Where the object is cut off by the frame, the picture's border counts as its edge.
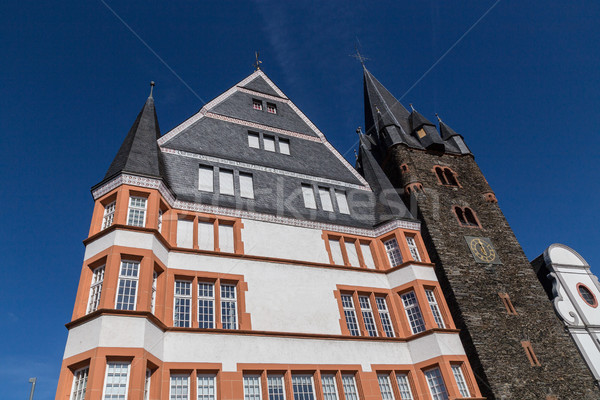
(445, 170)
(466, 224)
(510, 309)
(581, 285)
(533, 360)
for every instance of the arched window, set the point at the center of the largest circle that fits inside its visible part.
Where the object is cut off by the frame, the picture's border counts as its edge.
(466, 217)
(446, 176)
(440, 175)
(470, 217)
(460, 215)
(450, 178)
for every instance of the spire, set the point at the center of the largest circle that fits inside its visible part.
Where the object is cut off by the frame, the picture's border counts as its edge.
(450, 136)
(139, 153)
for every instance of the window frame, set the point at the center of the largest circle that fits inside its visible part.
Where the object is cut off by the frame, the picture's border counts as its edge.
(408, 383)
(213, 378)
(272, 108)
(176, 320)
(438, 395)
(303, 394)
(136, 208)
(436, 310)
(308, 190)
(389, 394)
(414, 328)
(109, 214)
(134, 279)
(397, 250)
(279, 395)
(461, 380)
(233, 300)
(257, 104)
(128, 374)
(94, 294)
(413, 248)
(80, 395)
(212, 299)
(187, 385)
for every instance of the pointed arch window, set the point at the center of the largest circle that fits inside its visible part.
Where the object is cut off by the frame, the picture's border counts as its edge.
(446, 176)
(466, 217)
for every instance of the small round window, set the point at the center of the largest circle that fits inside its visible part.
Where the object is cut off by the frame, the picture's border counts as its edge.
(587, 295)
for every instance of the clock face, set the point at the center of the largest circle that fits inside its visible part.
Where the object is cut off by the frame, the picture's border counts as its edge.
(482, 249)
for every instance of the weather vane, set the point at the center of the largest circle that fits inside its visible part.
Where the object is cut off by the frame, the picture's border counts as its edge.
(359, 56)
(257, 62)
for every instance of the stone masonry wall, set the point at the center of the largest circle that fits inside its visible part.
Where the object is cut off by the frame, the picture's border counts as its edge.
(492, 337)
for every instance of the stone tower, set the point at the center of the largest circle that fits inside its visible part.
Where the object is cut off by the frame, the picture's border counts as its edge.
(516, 345)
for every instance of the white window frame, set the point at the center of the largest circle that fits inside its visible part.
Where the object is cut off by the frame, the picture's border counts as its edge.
(277, 382)
(435, 382)
(79, 385)
(404, 386)
(208, 377)
(367, 314)
(159, 220)
(308, 195)
(108, 366)
(176, 320)
(325, 197)
(229, 300)
(271, 108)
(384, 314)
(342, 201)
(252, 136)
(246, 191)
(147, 383)
(252, 381)
(385, 387)
(96, 289)
(270, 139)
(412, 246)
(285, 149)
(226, 176)
(349, 382)
(257, 105)
(329, 387)
(304, 395)
(350, 312)
(392, 249)
(134, 280)
(153, 294)
(459, 376)
(109, 214)
(413, 312)
(206, 178)
(435, 308)
(137, 208)
(186, 381)
(211, 301)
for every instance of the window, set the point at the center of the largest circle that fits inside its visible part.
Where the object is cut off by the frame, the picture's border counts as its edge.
(404, 386)
(413, 312)
(228, 306)
(205, 178)
(436, 384)
(147, 384)
(336, 251)
(271, 108)
(159, 221)
(127, 289)
(254, 140)
(460, 381)
(257, 104)
(325, 197)
(153, 294)
(246, 186)
(510, 309)
(137, 211)
(350, 314)
(284, 146)
(329, 387)
(342, 201)
(384, 387)
(252, 387)
(276, 387)
(587, 295)
(384, 315)
(309, 196)
(226, 182)
(226, 239)
(80, 378)
(367, 314)
(470, 217)
(269, 142)
(349, 385)
(206, 305)
(206, 235)
(446, 176)
(182, 308)
(116, 381)
(365, 249)
(435, 309)
(530, 353)
(466, 217)
(206, 387)
(180, 387)
(351, 252)
(412, 246)
(393, 252)
(109, 215)
(185, 232)
(302, 387)
(95, 289)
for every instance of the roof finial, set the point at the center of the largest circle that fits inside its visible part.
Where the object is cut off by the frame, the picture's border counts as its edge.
(355, 155)
(359, 56)
(257, 62)
(359, 131)
(438, 117)
(151, 88)
(411, 107)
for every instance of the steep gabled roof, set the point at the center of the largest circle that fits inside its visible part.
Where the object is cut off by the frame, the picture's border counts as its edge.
(139, 153)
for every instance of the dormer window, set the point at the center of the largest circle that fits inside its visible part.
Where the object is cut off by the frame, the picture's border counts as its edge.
(271, 108)
(257, 104)
(446, 176)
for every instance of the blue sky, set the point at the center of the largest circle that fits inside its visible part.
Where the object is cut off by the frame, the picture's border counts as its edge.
(523, 87)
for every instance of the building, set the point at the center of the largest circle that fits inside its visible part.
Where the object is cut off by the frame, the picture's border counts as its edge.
(574, 292)
(516, 345)
(240, 256)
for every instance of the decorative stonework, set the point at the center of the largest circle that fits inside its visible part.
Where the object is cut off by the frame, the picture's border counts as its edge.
(150, 183)
(263, 169)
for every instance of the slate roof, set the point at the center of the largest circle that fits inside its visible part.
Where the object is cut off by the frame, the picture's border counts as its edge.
(389, 123)
(139, 153)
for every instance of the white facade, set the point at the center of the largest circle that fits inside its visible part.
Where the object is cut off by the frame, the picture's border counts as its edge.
(574, 291)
